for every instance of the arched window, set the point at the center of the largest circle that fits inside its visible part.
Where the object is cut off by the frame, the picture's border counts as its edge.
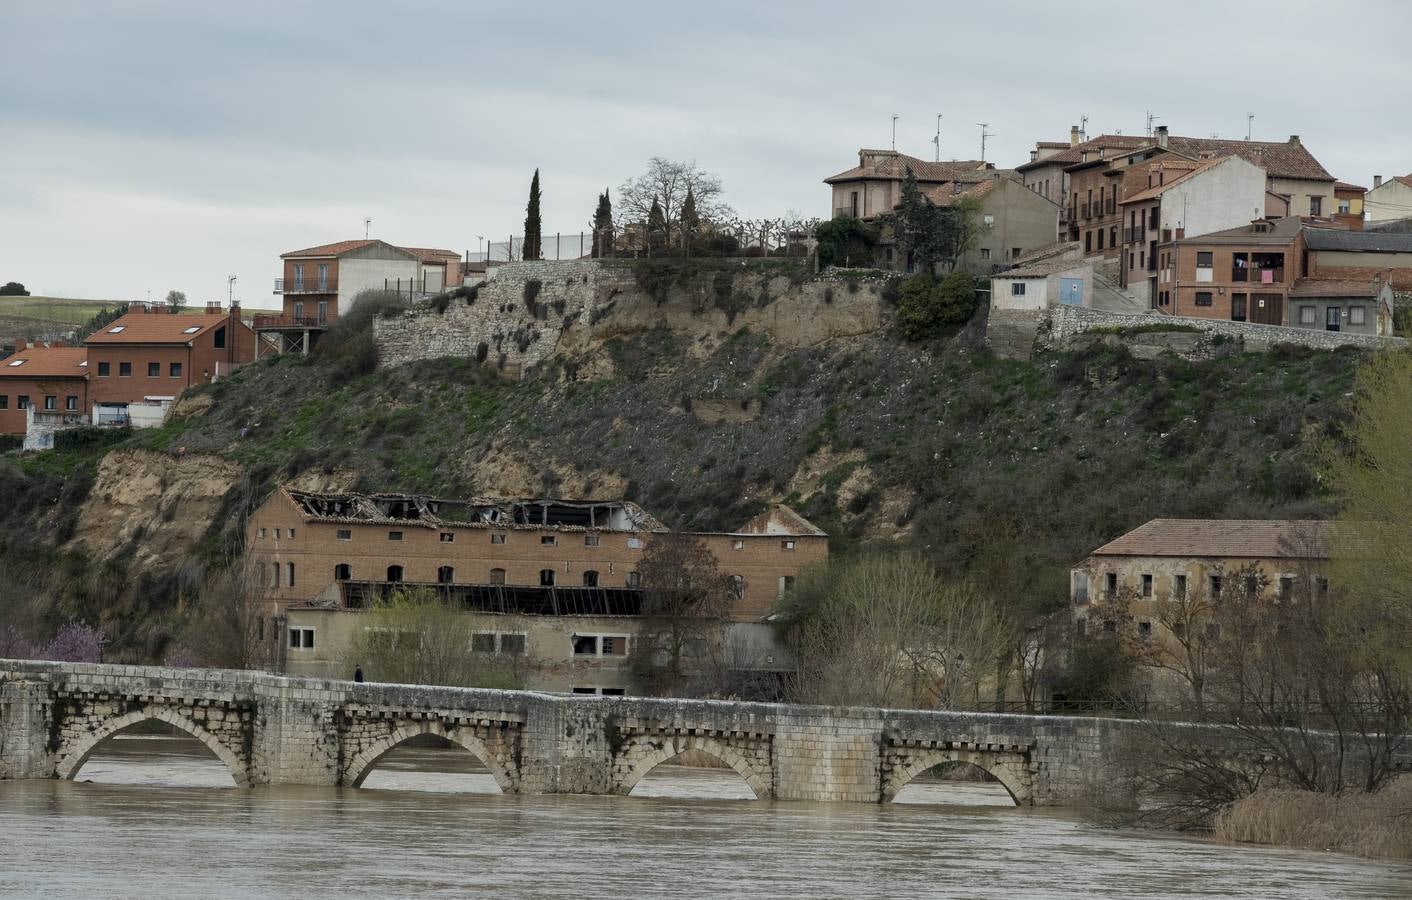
(394, 573)
(276, 581)
(342, 572)
(497, 576)
(445, 575)
(291, 574)
(590, 578)
(546, 577)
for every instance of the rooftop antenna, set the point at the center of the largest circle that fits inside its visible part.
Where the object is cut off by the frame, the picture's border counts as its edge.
(894, 131)
(367, 227)
(230, 290)
(984, 134)
(1249, 119)
(937, 140)
(1151, 119)
(1083, 127)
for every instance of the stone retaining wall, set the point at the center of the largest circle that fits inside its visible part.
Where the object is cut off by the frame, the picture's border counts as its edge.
(1063, 323)
(532, 311)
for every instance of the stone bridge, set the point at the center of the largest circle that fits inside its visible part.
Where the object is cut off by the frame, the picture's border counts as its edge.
(273, 730)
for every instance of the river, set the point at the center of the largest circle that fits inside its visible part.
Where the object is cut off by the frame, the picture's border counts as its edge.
(159, 817)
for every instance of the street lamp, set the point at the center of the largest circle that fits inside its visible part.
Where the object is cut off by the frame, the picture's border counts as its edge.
(230, 291)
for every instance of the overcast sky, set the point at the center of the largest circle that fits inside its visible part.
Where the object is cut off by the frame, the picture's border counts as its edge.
(148, 146)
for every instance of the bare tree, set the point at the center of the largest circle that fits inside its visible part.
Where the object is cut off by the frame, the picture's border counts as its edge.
(668, 182)
(227, 624)
(887, 630)
(685, 604)
(418, 636)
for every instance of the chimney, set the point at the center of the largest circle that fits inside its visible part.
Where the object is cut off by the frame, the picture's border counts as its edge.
(19, 344)
(1294, 139)
(1034, 155)
(1161, 133)
(1377, 181)
(1073, 135)
(1083, 156)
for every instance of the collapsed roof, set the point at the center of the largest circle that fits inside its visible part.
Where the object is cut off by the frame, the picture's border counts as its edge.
(412, 509)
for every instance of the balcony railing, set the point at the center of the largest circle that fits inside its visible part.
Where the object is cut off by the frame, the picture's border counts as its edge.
(1134, 235)
(299, 286)
(1257, 275)
(290, 322)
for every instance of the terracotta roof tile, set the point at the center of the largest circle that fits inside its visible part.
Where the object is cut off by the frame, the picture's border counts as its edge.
(337, 248)
(1315, 287)
(1345, 186)
(156, 328)
(46, 362)
(946, 194)
(1217, 538)
(892, 165)
(426, 254)
(1120, 142)
(1279, 159)
(1186, 167)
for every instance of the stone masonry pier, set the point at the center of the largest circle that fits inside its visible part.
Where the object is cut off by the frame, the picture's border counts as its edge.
(273, 730)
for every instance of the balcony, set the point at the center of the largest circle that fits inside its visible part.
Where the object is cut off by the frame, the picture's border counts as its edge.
(275, 323)
(299, 286)
(1267, 275)
(1134, 235)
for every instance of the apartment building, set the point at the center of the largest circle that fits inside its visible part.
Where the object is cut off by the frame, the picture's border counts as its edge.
(1348, 205)
(1046, 172)
(42, 387)
(874, 186)
(1103, 177)
(1242, 274)
(143, 361)
(319, 284)
(1389, 200)
(1187, 198)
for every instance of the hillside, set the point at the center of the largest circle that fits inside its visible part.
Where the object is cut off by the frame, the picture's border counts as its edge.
(939, 446)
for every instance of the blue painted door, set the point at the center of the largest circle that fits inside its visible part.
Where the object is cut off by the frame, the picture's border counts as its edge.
(1071, 291)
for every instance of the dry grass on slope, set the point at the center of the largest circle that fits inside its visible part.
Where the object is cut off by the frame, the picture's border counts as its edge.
(1371, 825)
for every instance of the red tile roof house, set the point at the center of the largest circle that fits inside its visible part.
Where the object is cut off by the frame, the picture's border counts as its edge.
(43, 389)
(320, 283)
(143, 361)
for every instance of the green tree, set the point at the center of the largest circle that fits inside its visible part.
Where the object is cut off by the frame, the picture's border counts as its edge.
(929, 235)
(532, 245)
(603, 226)
(656, 224)
(176, 300)
(846, 241)
(927, 305)
(13, 289)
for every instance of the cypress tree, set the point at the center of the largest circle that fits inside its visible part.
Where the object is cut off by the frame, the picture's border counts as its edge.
(532, 241)
(603, 225)
(690, 220)
(656, 221)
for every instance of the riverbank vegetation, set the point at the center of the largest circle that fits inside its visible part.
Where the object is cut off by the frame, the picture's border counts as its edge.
(1375, 824)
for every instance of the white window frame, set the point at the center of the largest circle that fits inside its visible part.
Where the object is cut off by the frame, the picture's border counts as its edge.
(598, 638)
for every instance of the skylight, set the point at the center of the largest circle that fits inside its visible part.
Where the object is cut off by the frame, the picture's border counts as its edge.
(116, 329)
(18, 362)
(192, 330)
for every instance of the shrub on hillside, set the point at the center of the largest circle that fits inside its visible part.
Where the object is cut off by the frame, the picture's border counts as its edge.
(348, 347)
(926, 305)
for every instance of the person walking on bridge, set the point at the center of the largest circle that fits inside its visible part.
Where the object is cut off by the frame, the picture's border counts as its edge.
(358, 673)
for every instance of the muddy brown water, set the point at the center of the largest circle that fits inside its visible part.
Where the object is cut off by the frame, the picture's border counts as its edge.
(160, 817)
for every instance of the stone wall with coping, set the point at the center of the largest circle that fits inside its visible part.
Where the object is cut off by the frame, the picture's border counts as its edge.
(1060, 325)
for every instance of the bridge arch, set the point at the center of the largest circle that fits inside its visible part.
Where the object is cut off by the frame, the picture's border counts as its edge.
(79, 750)
(363, 764)
(647, 754)
(1007, 768)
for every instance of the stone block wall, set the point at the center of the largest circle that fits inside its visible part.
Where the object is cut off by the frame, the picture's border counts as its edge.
(531, 311)
(1060, 326)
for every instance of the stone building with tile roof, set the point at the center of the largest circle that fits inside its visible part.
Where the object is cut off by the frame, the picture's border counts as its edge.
(1167, 570)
